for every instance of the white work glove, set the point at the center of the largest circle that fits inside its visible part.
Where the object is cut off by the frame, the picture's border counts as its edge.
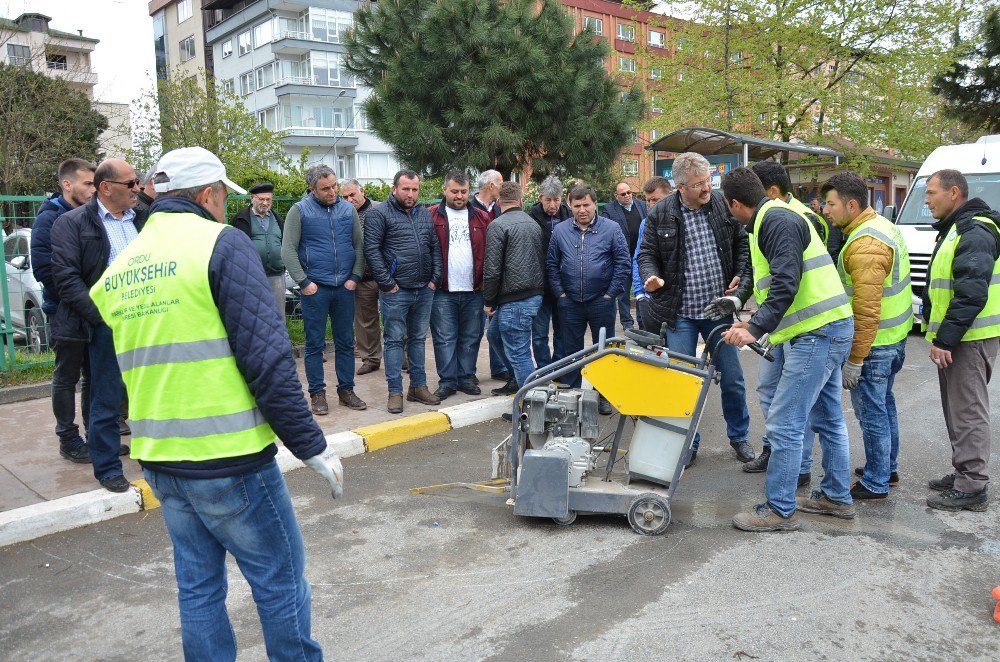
(328, 466)
(722, 307)
(852, 374)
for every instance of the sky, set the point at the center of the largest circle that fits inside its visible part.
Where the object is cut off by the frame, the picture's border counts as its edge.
(124, 59)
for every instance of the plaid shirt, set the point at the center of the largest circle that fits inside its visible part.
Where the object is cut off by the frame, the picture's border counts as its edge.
(121, 231)
(703, 279)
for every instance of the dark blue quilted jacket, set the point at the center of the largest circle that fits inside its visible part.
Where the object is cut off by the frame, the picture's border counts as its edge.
(41, 248)
(402, 247)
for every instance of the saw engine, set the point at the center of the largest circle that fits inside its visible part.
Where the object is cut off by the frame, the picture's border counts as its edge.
(563, 424)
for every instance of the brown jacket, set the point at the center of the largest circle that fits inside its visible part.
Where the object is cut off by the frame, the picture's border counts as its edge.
(868, 261)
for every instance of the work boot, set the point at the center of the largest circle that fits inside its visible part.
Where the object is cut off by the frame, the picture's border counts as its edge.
(123, 429)
(762, 519)
(956, 500)
(115, 483)
(759, 465)
(744, 451)
(819, 503)
(470, 389)
(443, 393)
(350, 400)
(319, 406)
(423, 395)
(942, 484)
(75, 450)
(859, 491)
(368, 366)
(395, 405)
(804, 479)
(604, 407)
(510, 388)
(893, 477)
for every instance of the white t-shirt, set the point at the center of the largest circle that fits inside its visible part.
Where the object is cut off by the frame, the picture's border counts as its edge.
(459, 251)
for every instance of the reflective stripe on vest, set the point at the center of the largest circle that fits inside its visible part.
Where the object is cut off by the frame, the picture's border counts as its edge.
(896, 317)
(188, 400)
(940, 292)
(820, 298)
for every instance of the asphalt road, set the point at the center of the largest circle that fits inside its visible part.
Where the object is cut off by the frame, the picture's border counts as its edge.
(457, 576)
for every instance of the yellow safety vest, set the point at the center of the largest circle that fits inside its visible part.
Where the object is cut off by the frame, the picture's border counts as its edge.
(940, 292)
(187, 398)
(806, 212)
(896, 318)
(820, 298)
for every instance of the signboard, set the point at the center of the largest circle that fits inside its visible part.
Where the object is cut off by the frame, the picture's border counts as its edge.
(720, 165)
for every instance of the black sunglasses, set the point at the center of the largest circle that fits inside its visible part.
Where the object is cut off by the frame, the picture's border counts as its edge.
(130, 183)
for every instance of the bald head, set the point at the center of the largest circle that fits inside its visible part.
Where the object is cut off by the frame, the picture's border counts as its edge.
(117, 186)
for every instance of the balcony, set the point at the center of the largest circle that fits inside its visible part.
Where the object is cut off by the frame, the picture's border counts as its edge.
(305, 85)
(307, 136)
(78, 75)
(289, 42)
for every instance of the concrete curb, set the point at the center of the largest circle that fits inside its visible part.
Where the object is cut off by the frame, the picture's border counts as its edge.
(12, 394)
(42, 519)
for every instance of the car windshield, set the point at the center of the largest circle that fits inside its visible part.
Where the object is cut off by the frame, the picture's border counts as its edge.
(915, 212)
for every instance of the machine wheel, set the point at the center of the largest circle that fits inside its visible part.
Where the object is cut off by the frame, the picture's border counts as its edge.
(565, 521)
(649, 514)
(36, 333)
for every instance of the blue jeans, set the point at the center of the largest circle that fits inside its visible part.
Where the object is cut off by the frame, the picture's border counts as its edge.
(540, 335)
(510, 329)
(575, 317)
(337, 304)
(768, 373)
(808, 394)
(251, 517)
(683, 338)
(405, 314)
(457, 331)
(875, 407)
(624, 312)
(106, 392)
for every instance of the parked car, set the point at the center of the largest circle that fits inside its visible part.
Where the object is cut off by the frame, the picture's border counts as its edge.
(24, 293)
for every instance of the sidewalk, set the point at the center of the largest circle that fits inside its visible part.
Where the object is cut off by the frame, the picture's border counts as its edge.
(32, 472)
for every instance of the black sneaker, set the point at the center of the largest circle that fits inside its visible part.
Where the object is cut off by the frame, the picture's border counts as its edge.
(443, 392)
(604, 407)
(942, 484)
(470, 389)
(510, 388)
(893, 477)
(115, 483)
(124, 450)
(692, 459)
(859, 491)
(744, 451)
(75, 451)
(955, 500)
(759, 465)
(804, 479)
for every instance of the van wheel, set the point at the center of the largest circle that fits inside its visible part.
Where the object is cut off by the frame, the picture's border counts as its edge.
(36, 334)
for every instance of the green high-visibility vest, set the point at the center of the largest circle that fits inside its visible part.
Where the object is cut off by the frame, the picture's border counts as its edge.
(187, 398)
(940, 293)
(820, 298)
(896, 319)
(818, 221)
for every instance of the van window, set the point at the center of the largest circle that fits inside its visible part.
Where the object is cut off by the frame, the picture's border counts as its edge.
(915, 212)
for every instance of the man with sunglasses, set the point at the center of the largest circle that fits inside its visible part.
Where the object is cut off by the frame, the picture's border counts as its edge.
(629, 213)
(84, 242)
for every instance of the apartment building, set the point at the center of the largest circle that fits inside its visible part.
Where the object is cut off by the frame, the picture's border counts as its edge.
(179, 37)
(284, 58)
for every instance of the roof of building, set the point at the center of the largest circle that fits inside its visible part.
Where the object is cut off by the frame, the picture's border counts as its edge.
(708, 142)
(17, 25)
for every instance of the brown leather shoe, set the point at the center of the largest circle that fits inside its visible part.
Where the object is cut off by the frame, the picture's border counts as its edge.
(367, 366)
(350, 400)
(395, 403)
(319, 406)
(423, 395)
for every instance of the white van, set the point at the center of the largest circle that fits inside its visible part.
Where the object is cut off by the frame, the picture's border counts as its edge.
(980, 163)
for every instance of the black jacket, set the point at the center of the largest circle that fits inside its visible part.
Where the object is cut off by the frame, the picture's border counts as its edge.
(362, 214)
(536, 212)
(662, 253)
(972, 270)
(41, 248)
(80, 251)
(514, 266)
(242, 221)
(401, 247)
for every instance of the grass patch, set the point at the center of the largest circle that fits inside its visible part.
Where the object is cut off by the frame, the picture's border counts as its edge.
(297, 332)
(29, 368)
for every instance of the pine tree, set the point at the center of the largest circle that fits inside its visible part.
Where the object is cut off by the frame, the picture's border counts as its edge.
(489, 84)
(971, 88)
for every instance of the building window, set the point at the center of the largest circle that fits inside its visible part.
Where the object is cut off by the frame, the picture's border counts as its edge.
(227, 85)
(184, 11)
(655, 104)
(17, 54)
(187, 48)
(655, 73)
(630, 167)
(268, 118)
(360, 119)
(736, 57)
(246, 83)
(654, 135)
(54, 61)
(680, 75)
(633, 135)
(626, 32)
(622, 96)
(160, 44)
(681, 43)
(243, 43)
(626, 64)
(264, 76)
(326, 70)
(595, 25)
(263, 33)
(656, 39)
(227, 48)
(329, 25)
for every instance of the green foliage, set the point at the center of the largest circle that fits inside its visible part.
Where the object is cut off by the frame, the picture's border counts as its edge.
(43, 121)
(971, 87)
(182, 113)
(844, 73)
(473, 84)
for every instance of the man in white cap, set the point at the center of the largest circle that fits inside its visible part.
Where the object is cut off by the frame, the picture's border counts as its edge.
(207, 363)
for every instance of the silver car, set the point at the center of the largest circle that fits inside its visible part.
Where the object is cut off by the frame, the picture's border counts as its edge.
(24, 292)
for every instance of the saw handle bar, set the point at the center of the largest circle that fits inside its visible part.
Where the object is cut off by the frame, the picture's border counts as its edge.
(759, 347)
